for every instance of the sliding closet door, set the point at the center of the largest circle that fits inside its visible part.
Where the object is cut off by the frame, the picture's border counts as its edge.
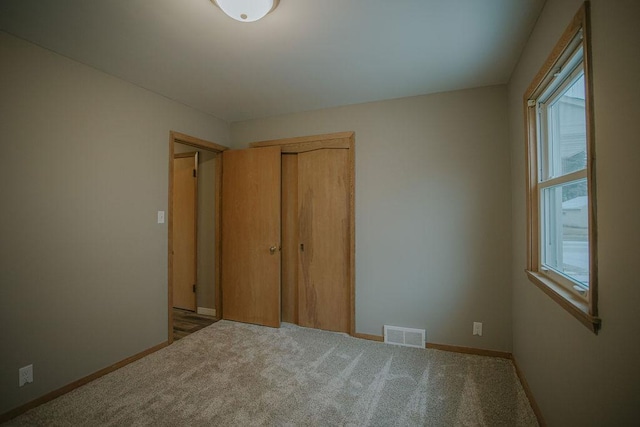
(251, 236)
(323, 209)
(290, 237)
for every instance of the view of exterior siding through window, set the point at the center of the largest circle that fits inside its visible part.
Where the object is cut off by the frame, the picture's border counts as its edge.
(567, 229)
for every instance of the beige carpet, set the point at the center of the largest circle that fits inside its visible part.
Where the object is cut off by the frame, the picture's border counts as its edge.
(233, 374)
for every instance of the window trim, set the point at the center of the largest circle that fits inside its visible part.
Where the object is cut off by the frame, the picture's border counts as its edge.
(584, 309)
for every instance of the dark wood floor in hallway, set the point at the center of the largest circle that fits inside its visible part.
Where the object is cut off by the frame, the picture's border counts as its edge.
(186, 322)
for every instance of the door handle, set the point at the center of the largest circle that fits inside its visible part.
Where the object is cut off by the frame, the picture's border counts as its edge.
(272, 250)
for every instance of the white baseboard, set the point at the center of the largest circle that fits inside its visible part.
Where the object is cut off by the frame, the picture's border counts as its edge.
(207, 311)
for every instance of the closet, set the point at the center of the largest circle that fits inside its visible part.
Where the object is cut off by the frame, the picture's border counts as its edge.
(288, 232)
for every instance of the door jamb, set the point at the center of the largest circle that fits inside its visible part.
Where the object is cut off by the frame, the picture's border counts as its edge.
(176, 137)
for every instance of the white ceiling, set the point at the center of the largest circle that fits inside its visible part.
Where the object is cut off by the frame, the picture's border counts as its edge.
(306, 55)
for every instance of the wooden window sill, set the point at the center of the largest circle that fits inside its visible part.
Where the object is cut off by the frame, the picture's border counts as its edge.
(567, 300)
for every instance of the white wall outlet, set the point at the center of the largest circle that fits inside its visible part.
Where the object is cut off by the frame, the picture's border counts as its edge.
(477, 328)
(160, 217)
(25, 375)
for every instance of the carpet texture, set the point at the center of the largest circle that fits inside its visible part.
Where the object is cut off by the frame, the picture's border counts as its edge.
(235, 374)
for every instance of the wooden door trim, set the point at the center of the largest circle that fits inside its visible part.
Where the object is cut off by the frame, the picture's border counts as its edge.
(183, 155)
(197, 142)
(176, 137)
(303, 147)
(339, 140)
(324, 138)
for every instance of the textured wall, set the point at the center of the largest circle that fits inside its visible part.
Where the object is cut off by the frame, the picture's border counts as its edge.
(579, 378)
(83, 263)
(432, 210)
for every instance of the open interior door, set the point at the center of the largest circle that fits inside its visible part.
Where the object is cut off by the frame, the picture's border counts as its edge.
(251, 235)
(185, 218)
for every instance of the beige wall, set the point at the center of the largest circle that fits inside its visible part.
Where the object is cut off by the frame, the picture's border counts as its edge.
(579, 378)
(83, 171)
(432, 210)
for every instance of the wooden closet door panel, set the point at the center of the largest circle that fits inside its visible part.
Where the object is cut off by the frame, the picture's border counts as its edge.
(323, 209)
(290, 238)
(251, 235)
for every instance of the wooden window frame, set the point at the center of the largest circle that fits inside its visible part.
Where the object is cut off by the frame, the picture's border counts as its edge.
(585, 309)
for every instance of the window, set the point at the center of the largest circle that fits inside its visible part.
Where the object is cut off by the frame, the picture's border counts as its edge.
(561, 176)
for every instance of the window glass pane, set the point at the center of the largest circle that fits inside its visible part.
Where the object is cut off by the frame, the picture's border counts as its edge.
(568, 130)
(565, 230)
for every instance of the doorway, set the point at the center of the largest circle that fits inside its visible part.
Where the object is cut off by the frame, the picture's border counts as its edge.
(203, 223)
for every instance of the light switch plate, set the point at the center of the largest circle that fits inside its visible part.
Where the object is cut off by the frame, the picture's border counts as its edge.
(477, 328)
(160, 217)
(25, 375)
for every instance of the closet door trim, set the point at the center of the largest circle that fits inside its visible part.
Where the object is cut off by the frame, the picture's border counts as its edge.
(326, 139)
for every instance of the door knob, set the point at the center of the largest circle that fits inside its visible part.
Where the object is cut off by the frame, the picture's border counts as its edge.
(272, 250)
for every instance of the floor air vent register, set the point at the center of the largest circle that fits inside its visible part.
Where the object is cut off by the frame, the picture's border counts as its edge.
(407, 337)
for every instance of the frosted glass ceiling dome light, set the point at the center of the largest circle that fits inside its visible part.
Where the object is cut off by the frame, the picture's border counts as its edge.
(246, 10)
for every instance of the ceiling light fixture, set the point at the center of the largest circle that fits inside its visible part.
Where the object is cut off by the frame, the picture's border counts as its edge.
(246, 10)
